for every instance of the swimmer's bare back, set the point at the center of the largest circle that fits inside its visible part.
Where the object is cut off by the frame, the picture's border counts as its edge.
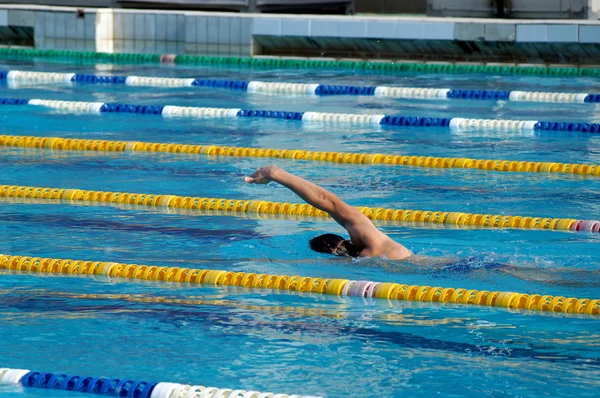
(363, 234)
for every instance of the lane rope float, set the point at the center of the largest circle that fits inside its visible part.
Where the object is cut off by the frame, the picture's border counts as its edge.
(300, 209)
(76, 144)
(300, 63)
(344, 287)
(122, 387)
(288, 88)
(345, 119)
(218, 213)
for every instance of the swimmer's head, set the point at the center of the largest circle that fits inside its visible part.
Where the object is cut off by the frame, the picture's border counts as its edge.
(334, 244)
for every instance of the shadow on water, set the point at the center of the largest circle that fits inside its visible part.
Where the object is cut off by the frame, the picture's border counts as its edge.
(65, 221)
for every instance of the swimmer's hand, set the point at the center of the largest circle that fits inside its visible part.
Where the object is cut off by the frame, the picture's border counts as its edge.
(264, 175)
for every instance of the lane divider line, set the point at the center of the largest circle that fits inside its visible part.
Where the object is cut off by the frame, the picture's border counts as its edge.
(344, 119)
(217, 213)
(123, 387)
(287, 88)
(261, 206)
(76, 144)
(301, 63)
(337, 287)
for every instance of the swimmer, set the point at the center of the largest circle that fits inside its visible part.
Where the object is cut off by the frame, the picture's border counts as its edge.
(365, 239)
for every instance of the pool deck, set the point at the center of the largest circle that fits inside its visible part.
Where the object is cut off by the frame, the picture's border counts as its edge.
(415, 38)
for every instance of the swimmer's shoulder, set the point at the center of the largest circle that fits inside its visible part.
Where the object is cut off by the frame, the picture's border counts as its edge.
(392, 250)
(430, 261)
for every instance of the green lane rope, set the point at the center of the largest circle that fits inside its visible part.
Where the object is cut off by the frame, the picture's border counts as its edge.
(294, 63)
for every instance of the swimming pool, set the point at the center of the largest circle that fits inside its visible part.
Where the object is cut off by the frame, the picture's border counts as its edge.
(292, 342)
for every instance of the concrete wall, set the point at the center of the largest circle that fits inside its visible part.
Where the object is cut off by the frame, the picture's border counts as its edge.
(530, 9)
(541, 9)
(594, 9)
(66, 3)
(391, 6)
(232, 34)
(318, 6)
(54, 29)
(134, 31)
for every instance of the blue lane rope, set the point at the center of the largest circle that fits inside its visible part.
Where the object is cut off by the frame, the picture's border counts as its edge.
(338, 118)
(121, 387)
(479, 94)
(95, 79)
(13, 101)
(415, 121)
(124, 108)
(302, 88)
(93, 385)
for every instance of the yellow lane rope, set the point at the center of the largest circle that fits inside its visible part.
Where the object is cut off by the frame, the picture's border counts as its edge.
(215, 213)
(267, 207)
(386, 290)
(333, 157)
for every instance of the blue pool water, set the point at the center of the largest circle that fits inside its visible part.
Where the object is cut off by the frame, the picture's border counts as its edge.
(299, 343)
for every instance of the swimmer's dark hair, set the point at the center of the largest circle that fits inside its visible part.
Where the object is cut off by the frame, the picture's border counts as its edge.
(334, 244)
(325, 243)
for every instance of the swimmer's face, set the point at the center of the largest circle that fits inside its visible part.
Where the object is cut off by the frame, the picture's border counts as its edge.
(335, 245)
(340, 250)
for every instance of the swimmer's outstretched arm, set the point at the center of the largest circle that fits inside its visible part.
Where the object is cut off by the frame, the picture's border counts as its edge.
(311, 193)
(360, 228)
